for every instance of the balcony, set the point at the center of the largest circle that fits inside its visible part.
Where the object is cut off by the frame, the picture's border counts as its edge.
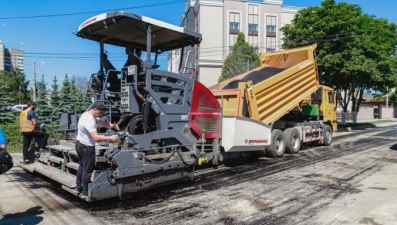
(233, 31)
(270, 34)
(253, 33)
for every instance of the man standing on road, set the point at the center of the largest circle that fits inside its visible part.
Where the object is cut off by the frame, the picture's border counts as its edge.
(29, 129)
(85, 144)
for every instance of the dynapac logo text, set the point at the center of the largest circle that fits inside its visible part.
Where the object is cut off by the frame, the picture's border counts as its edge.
(89, 21)
(257, 141)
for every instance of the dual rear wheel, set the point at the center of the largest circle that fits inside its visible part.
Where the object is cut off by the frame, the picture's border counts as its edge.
(287, 141)
(290, 141)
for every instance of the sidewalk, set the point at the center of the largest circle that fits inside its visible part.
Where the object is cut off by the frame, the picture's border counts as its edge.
(362, 124)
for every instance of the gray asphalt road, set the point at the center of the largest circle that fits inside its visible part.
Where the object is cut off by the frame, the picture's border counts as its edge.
(351, 182)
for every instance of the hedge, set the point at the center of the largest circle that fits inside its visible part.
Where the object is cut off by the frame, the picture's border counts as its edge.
(14, 138)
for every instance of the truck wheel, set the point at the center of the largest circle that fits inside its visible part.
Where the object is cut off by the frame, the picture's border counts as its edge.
(292, 140)
(277, 147)
(327, 139)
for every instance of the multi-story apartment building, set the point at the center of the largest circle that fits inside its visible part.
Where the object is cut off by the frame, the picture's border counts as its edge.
(220, 21)
(16, 57)
(11, 59)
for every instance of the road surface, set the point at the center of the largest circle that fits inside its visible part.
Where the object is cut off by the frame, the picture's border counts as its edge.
(353, 181)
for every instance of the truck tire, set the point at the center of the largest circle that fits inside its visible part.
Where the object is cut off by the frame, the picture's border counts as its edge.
(292, 140)
(277, 147)
(327, 139)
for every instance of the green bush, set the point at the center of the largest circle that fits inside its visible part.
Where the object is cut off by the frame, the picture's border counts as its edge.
(14, 138)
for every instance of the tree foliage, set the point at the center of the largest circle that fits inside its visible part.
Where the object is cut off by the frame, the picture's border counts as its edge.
(78, 88)
(71, 95)
(393, 96)
(356, 51)
(44, 108)
(55, 99)
(237, 62)
(6, 115)
(13, 91)
(14, 85)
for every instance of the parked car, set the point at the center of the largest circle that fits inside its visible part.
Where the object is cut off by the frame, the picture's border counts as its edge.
(5, 108)
(19, 107)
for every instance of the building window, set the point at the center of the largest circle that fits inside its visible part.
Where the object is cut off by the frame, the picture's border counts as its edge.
(234, 28)
(253, 17)
(256, 49)
(253, 29)
(270, 44)
(271, 26)
(253, 41)
(271, 33)
(234, 23)
(232, 41)
(331, 97)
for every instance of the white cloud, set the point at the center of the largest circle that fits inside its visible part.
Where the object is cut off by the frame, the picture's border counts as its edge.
(4, 24)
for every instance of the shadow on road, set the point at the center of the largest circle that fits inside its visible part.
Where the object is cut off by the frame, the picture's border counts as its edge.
(29, 217)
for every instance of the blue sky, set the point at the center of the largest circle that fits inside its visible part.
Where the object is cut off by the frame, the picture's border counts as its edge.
(55, 34)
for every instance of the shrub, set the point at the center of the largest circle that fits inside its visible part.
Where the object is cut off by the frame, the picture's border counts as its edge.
(14, 138)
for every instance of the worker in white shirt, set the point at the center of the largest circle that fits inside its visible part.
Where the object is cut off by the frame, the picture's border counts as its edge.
(85, 143)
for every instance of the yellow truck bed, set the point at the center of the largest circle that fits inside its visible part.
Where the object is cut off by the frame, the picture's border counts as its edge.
(270, 99)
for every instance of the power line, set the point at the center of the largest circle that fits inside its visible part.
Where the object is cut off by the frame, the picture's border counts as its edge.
(338, 36)
(98, 11)
(208, 52)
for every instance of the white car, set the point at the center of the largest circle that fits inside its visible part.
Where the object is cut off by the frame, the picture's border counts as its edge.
(19, 107)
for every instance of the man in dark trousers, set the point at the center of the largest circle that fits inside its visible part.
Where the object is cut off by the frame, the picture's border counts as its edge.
(29, 129)
(85, 144)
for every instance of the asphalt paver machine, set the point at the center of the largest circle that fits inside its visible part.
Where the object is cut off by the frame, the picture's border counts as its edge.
(169, 123)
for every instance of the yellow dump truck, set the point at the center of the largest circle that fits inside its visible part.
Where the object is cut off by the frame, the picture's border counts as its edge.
(283, 92)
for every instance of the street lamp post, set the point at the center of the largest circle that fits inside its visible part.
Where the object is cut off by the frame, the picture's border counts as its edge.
(34, 73)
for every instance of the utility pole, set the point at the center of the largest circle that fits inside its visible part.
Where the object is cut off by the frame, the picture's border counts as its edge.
(34, 80)
(248, 65)
(34, 72)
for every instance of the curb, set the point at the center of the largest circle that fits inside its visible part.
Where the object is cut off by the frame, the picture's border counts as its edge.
(354, 128)
(351, 128)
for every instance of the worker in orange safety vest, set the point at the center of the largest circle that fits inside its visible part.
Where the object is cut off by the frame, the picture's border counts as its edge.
(29, 129)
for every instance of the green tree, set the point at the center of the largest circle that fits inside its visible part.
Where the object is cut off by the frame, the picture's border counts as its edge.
(66, 87)
(393, 97)
(78, 95)
(237, 62)
(66, 95)
(14, 86)
(55, 98)
(44, 109)
(6, 115)
(81, 86)
(356, 51)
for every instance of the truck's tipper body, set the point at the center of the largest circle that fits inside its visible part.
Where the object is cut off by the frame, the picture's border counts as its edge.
(284, 93)
(275, 96)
